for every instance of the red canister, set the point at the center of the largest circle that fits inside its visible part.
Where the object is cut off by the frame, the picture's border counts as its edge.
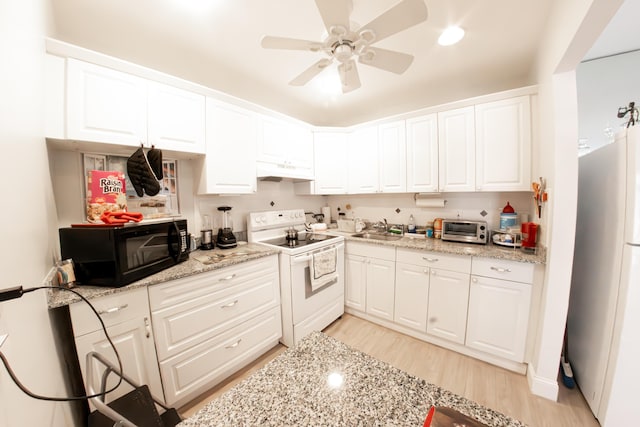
(529, 234)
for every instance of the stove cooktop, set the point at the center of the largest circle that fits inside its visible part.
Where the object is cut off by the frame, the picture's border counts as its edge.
(304, 239)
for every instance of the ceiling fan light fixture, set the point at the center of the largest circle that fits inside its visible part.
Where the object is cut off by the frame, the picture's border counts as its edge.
(450, 36)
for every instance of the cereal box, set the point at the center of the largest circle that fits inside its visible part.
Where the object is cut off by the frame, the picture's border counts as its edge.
(105, 193)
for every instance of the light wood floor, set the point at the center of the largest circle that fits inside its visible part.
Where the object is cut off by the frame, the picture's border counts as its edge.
(497, 388)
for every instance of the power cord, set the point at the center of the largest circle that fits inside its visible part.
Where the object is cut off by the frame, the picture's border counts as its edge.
(17, 292)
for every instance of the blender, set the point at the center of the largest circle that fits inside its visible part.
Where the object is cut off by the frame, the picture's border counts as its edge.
(226, 239)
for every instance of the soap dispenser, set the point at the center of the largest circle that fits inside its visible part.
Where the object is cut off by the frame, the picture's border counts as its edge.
(411, 227)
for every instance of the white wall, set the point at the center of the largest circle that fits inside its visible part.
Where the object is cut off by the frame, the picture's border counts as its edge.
(28, 218)
(573, 27)
(604, 85)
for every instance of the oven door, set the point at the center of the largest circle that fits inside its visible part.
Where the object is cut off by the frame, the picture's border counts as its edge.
(305, 301)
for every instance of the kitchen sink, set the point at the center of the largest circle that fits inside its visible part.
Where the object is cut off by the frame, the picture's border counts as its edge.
(378, 236)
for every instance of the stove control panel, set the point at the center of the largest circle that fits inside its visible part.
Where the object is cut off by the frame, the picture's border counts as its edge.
(272, 219)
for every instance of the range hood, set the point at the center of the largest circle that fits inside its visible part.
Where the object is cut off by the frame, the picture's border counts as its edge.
(278, 172)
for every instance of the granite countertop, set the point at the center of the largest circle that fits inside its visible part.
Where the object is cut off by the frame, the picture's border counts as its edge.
(436, 245)
(199, 262)
(301, 387)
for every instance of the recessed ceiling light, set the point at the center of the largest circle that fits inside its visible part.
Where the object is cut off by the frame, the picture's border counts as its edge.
(451, 35)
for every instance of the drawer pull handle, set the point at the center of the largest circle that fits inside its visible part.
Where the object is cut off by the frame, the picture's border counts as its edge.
(147, 327)
(501, 270)
(113, 309)
(231, 304)
(235, 344)
(229, 277)
(430, 259)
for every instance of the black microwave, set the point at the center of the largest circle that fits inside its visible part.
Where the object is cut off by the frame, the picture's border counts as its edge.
(117, 256)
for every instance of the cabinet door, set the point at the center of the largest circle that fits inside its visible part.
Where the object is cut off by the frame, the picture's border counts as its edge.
(363, 161)
(330, 162)
(229, 164)
(380, 287)
(272, 141)
(176, 119)
(422, 154)
(135, 345)
(456, 150)
(503, 145)
(498, 317)
(392, 157)
(104, 105)
(411, 296)
(299, 145)
(448, 300)
(355, 282)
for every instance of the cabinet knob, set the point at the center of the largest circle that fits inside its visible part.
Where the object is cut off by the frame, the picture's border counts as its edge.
(433, 272)
(474, 280)
(426, 271)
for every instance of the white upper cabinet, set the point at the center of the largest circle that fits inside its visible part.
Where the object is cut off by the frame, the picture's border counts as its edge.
(109, 106)
(176, 118)
(104, 105)
(456, 134)
(422, 154)
(392, 157)
(363, 161)
(231, 134)
(503, 145)
(330, 163)
(284, 149)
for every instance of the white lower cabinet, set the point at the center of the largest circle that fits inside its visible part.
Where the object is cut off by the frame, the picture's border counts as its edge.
(499, 309)
(210, 325)
(448, 299)
(126, 316)
(412, 296)
(370, 279)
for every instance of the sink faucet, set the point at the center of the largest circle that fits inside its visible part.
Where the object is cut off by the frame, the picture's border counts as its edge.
(381, 225)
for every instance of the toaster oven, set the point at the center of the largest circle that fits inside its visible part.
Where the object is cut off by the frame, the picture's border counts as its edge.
(456, 230)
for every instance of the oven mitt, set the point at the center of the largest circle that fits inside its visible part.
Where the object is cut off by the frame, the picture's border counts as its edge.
(141, 175)
(154, 156)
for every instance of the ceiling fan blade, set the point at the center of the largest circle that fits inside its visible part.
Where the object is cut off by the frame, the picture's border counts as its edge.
(271, 42)
(389, 60)
(349, 76)
(405, 14)
(335, 13)
(310, 72)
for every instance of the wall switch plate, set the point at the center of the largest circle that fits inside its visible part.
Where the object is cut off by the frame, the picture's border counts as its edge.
(2, 338)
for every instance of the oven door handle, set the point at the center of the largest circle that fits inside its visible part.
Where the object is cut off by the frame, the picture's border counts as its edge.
(307, 258)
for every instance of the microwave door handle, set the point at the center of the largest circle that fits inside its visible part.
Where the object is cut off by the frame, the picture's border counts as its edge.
(172, 229)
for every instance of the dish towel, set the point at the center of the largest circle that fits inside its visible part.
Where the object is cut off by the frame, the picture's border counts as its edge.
(323, 268)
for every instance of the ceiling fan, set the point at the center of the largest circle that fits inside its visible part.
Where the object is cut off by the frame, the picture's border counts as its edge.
(345, 41)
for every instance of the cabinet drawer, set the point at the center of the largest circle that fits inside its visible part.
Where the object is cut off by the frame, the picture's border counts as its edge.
(171, 293)
(501, 269)
(192, 372)
(460, 263)
(371, 250)
(113, 309)
(189, 323)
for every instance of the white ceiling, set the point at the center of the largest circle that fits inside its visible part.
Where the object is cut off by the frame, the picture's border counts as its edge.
(217, 43)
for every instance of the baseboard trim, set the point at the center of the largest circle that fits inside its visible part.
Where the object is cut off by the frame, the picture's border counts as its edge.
(543, 387)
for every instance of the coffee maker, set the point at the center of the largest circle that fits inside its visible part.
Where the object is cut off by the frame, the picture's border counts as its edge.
(226, 238)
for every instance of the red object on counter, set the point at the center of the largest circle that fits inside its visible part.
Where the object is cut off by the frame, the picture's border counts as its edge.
(529, 234)
(508, 209)
(121, 217)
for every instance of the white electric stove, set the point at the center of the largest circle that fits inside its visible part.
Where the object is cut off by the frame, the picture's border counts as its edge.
(307, 304)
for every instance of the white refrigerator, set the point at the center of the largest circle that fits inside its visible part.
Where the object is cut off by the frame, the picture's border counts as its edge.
(603, 324)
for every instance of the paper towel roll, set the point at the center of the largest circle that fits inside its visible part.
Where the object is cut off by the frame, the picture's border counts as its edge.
(326, 211)
(430, 202)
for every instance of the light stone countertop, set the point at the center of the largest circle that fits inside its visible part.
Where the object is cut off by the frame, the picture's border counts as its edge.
(436, 245)
(214, 260)
(300, 387)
